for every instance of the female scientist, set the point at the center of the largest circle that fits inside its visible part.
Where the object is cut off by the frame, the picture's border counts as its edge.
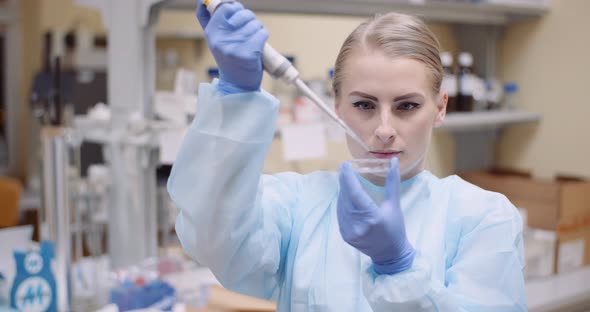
(341, 242)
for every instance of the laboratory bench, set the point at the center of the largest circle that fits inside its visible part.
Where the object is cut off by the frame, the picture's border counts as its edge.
(223, 300)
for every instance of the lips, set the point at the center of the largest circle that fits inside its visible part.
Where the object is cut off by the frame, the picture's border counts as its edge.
(385, 154)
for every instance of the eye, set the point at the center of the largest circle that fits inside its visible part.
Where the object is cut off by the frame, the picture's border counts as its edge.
(363, 105)
(408, 106)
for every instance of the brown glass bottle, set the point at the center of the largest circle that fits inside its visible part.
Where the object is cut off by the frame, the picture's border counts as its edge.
(449, 83)
(465, 94)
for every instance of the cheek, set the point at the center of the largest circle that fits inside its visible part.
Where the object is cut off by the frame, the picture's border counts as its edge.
(351, 117)
(419, 132)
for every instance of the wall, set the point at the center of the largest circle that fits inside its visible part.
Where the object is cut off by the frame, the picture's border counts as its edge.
(30, 63)
(549, 59)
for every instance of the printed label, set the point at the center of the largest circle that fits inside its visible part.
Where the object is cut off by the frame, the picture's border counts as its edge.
(33, 295)
(466, 84)
(571, 255)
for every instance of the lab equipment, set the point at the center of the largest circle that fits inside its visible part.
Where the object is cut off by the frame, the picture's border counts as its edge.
(279, 67)
(278, 234)
(494, 93)
(56, 202)
(510, 89)
(142, 286)
(138, 294)
(449, 82)
(466, 83)
(380, 167)
(376, 229)
(371, 166)
(34, 287)
(286, 94)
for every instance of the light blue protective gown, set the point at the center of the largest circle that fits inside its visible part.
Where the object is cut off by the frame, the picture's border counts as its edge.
(276, 236)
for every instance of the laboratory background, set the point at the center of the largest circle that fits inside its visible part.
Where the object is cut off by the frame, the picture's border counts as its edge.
(96, 96)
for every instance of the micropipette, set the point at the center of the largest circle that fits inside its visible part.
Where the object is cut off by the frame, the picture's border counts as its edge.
(280, 68)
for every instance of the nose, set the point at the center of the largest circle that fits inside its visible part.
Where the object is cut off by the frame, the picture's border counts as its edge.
(385, 131)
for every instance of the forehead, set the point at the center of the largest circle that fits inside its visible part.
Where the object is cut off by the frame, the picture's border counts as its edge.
(374, 71)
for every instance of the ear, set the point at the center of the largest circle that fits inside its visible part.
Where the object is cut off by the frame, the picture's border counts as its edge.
(441, 107)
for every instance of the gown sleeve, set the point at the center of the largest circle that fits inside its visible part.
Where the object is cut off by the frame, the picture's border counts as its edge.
(233, 219)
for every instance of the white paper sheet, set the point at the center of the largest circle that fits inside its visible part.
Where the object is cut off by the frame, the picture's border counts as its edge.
(304, 141)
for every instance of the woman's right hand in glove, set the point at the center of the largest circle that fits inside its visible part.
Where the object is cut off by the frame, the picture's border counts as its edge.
(236, 40)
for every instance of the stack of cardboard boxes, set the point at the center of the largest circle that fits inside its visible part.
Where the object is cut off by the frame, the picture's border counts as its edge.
(561, 206)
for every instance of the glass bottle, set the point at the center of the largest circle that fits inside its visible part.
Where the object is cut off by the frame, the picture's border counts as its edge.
(449, 82)
(466, 83)
(510, 90)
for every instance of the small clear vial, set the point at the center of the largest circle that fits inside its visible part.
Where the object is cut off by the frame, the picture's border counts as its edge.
(510, 90)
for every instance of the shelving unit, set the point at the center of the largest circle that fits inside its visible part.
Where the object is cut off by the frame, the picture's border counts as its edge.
(444, 11)
(487, 120)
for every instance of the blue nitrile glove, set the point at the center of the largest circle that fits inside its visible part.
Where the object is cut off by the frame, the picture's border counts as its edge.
(236, 39)
(376, 230)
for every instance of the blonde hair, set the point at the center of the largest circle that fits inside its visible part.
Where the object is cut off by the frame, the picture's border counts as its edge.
(396, 35)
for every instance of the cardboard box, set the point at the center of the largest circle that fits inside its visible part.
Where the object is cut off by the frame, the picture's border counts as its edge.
(562, 206)
(10, 192)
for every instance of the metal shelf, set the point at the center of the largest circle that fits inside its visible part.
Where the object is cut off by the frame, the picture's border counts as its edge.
(179, 35)
(444, 11)
(486, 120)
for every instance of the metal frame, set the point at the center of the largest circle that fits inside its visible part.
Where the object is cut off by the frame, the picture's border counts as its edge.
(9, 16)
(129, 147)
(56, 212)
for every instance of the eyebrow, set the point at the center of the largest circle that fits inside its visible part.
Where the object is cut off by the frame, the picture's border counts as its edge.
(399, 98)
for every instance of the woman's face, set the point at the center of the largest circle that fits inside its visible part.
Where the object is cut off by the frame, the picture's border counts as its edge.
(390, 105)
